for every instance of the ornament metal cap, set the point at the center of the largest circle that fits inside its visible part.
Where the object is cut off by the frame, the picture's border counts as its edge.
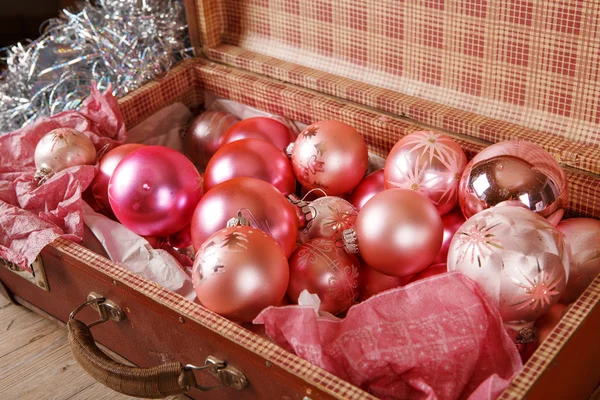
(304, 208)
(350, 240)
(238, 221)
(289, 149)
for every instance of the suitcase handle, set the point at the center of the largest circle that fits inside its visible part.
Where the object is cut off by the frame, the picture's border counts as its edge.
(156, 382)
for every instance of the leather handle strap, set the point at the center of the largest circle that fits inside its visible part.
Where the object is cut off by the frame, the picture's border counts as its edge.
(156, 382)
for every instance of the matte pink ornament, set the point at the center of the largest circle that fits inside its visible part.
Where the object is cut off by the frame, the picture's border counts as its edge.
(263, 128)
(330, 155)
(514, 170)
(239, 271)
(398, 232)
(329, 217)
(322, 268)
(259, 201)
(367, 188)
(373, 282)
(518, 258)
(253, 158)
(451, 222)
(205, 135)
(154, 191)
(583, 236)
(430, 163)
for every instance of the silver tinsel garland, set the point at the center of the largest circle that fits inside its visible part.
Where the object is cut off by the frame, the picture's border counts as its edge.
(123, 43)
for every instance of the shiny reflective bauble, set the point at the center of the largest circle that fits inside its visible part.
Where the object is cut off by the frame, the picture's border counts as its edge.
(63, 148)
(399, 232)
(372, 282)
(154, 191)
(205, 135)
(263, 205)
(330, 155)
(451, 222)
(262, 128)
(430, 163)
(329, 217)
(239, 271)
(583, 237)
(106, 167)
(182, 238)
(322, 268)
(514, 170)
(253, 158)
(432, 270)
(517, 257)
(367, 188)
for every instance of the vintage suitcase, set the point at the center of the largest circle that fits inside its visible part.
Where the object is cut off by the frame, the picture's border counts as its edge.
(480, 71)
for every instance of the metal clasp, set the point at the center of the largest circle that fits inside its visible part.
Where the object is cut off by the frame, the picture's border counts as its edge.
(226, 374)
(107, 309)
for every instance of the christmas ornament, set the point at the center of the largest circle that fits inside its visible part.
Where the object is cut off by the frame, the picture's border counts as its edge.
(514, 170)
(252, 158)
(398, 232)
(546, 323)
(262, 128)
(117, 45)
(451, 222)
(181, 239)
(106, 167)
(239, 271)
(60, 149)
(328, 218)
(432, 270)
(427, 162)
(330, 155)
(154, 191)
(372, 282)
(367, 188)
(322, 268)
(583, 237)
(205, 135)
(265, 207)
(517, 257)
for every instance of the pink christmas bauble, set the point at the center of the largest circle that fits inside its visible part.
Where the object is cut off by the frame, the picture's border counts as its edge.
(583, 237)
(322, 268)
(330, 155)
(367, 188)
(398, 232)
(329, 217)
(154, 191)
(106, 167)
(182, 238)
(430, 163)
(432, 270)
(253, 158)
(239, 271)
(518, 258)
(264, 206)
(451, 222)
(263, 128)
(372, 282)
(514, 170)
(205, 135)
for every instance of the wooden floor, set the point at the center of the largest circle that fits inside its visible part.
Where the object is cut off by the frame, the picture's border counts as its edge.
(36, 361)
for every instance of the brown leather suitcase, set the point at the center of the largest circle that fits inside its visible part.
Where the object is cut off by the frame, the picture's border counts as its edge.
(471, 69)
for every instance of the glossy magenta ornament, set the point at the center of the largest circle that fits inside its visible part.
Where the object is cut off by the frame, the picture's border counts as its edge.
(253, 158)
(430, 163)
(451, 222)
(518, 258)
(330, 155)
(367, 188)
(239, 271)
(514, 170)
(373, 282)
(106, 167)
(583, 237)
(205, 135)
(329, 217)
(398, 232)
(154, 191)
(263, 128)
(260, 202)
(325, 269)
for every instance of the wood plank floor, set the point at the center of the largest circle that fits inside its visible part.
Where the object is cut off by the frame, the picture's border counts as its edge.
(36, 361)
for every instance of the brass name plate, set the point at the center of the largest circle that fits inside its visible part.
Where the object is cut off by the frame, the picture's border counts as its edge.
(38, 277)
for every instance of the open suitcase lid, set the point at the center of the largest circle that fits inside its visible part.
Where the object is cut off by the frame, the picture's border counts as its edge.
(492, 70)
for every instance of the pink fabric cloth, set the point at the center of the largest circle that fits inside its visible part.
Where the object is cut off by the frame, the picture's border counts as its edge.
(438, 338)
(32, 217)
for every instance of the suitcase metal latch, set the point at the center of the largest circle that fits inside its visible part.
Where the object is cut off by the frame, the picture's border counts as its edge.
(226, 374)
